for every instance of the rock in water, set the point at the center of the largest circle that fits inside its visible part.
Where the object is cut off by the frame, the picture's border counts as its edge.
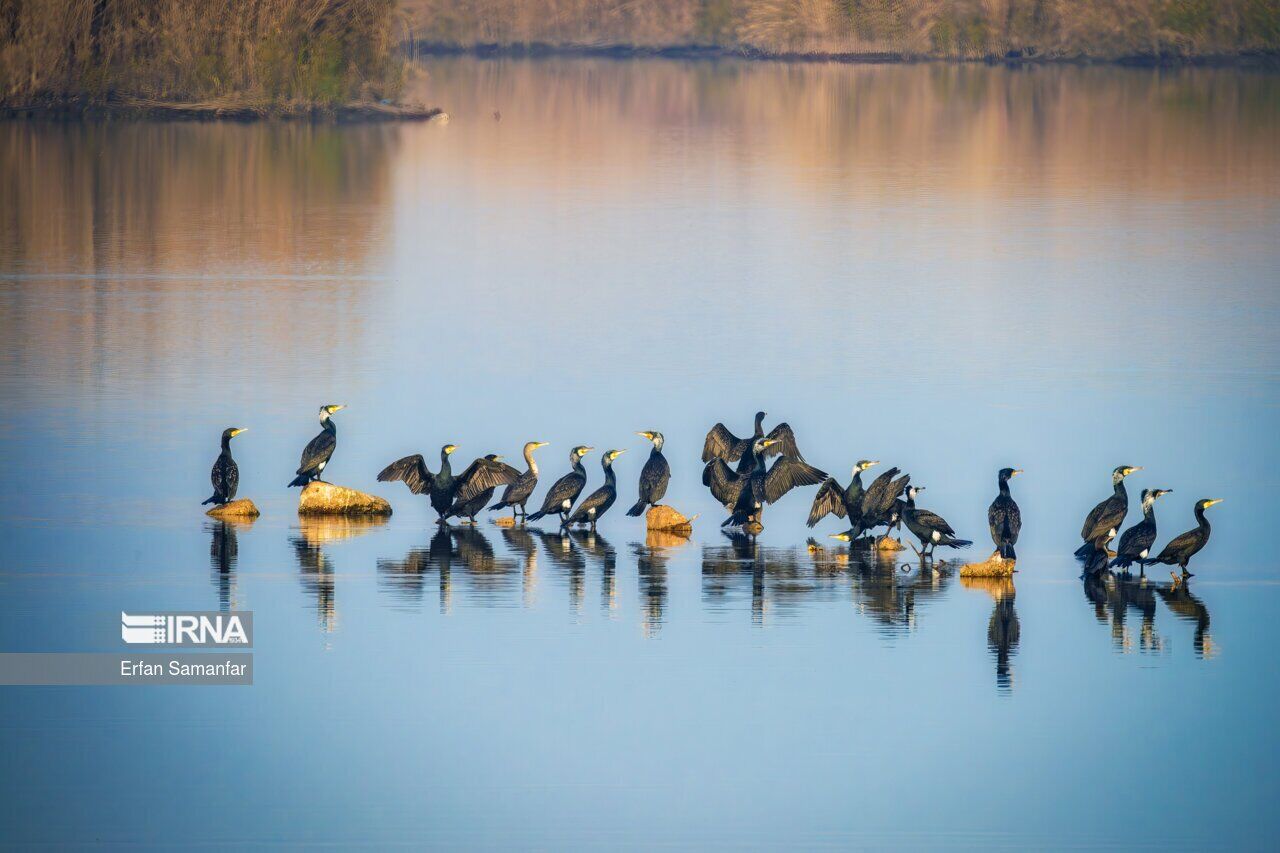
(319, 498)
(504, 521)
(993, 567)
(243, 508)
(667, 520)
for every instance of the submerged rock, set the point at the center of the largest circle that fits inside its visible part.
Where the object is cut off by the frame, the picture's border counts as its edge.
(665, 519)
(320, 498)
(993, 567)
(243, 508)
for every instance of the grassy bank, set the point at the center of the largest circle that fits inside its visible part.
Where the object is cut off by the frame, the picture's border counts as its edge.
(932, 29)
(217, 57)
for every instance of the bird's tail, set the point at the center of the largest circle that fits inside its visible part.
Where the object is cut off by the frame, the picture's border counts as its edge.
(300, 480)
(1097, 562)
(1085, 550)
(211, 500)
(638, 509)
(952, 542)
(1006, 552)
(537, 515)
(499, 505)
(1121, 563)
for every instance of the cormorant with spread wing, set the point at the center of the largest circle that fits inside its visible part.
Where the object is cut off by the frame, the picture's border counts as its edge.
(1183, 547)
(930, 528)
(654, 476)
(722, 444)
(414, 473)
(841, 502)
(881, 503)
(226, 473)
(598, 502)
(763, 486)
(518, 493)
(318, 450)
(1004, 518)
(565, 491)
(1103, 521)
(1136, 542)
(474, 486)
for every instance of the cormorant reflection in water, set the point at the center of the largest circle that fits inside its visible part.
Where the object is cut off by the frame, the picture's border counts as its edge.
(452, 549)
(602, 553)
(568, 561)
(651, 574)
(317, 570)
(224, 549)
(1003, 628)
(1113, 596)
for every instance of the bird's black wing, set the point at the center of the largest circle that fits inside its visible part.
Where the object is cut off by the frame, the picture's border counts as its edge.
(828, 500)
(1102, 518)
(1179, 545)
(566, 488)
(786, 442)
(876, 493)
(724, 482)
(595, 500)
(933, 521)
(412, 471)
(225, 477)
(318, 450)
(1005, 520)
(721, 444)
(520, 488)
(481, 475)
(788, 473)
(654, 476)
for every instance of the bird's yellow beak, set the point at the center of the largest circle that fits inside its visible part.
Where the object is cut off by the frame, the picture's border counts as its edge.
(239, 430)
(497, 458)
(1128, 471)
(770, 442)
(585, 450)
(647, 435)
(449, 448)
(1016, 472)
(616, 453)
(337, 408)
(541, 443)
(1213, 501)
(843, 537)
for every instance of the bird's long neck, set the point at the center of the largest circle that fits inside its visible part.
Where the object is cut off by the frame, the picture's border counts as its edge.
(1004, 487)
(226, 444)
(759, 425)
(327, 424)
(1201, 521)
(1149, 509)
(911, 501)
(1120, 491)
(528, 458)
(856, 485)
(576, 463)
(610, 478)
(656, 451)
(445, 469)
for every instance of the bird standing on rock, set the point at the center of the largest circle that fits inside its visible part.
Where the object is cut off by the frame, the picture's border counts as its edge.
(654, 476)
(315, 456)
(226, 473)
(1004, 518)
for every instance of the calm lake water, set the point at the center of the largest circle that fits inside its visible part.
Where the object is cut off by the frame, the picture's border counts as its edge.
(950, 269)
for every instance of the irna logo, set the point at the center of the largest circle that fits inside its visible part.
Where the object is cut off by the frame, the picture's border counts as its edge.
(187, 629)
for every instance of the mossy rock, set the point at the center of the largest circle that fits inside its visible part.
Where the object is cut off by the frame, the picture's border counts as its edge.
(665, 519)
(243, 508)
(505, 521)
(319, 498)
(993, 567)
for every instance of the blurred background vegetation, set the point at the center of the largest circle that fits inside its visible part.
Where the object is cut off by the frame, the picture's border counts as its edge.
(944, 29)
(278, 54)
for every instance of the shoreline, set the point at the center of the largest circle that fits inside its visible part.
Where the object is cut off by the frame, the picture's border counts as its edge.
(1253, 60)
(224, 110)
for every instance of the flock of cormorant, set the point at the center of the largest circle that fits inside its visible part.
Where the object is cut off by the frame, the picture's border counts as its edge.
(739, 475)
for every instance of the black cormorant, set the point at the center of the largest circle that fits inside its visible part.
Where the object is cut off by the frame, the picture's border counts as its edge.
(1185, 546)
(722, 444)
(842, 502)
(930, 528)
(317, 452)
(1136, 542)
(654, 476)
(474, 486)
(881, 503)
(1103, 521)
(598, 502)
(1004, 518)
(226, 473)
(565, 491)
(414, 473)
(763, 486)
(517, 494)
